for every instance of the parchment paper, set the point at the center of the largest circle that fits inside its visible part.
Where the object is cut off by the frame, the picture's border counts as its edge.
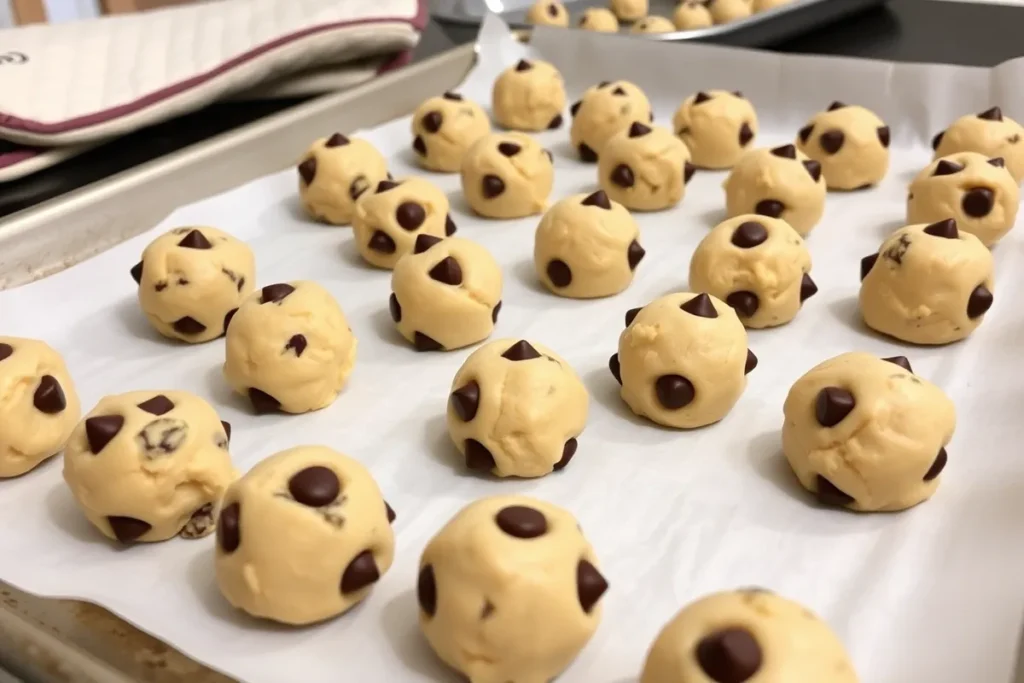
(933, 594)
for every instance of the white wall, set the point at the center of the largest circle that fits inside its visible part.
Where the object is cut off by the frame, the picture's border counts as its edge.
(5, 14)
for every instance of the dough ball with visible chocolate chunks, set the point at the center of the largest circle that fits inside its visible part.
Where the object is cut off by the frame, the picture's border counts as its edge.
(781, 182)
(516, 409)
(628, 10)
(390, 218)
(146, 466)
(747, 636)
(866, 433)
(587, 246)
(303, 536)
(38, 404)
(758, 265)
(599, 20)
(653, 24)
(603, 111)
(717, 126)
(726, 11)
(444, 128)
(529, 95)
(927, 284)
(191, 280)
(289, 348)
(446, 294)
(509, 590)
(976, 191)
(690, 15)
(682, 360)
(334, 173)
(507, 175)
(645, 168)
(990, 133)
(851, 143)
(547, 13)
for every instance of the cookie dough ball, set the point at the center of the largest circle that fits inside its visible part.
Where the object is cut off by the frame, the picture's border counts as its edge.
(191, 281)
(603, 111)
(725, 11)
(586, 247)
(645, 168)
(747, 636)
(717, 127)
(334, 173)
(765, 5)
(866, 433)
(682, 360)
(780, 183)
(547, 13)
(507, 175)
(628, 10)
(851, 143)
(509, 590)
(936, 293)
(289, 348)
(599, 19)
(529, 96)
(388, 221)
(758, 265)
(38, 404)
(977, 192)
(988, 133)
(690, 15)
(444, 128)
(653, 25)
(150, 465)
(446, 294)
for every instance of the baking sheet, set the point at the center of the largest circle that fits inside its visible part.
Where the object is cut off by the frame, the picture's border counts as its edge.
(933, 594)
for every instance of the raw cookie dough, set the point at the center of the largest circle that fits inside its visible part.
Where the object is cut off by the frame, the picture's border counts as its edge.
(867, 434)
(851, 143)
(303, 536)
(38, 404)
(507, 175)
(765, 5)
(444, 128)
(603, 111)
(191, 281)
(747, 636)
(150, 465)
(586, 247)
(653, 24)
(989, 133)
(936, 293)
(757, 265)
(388, 220)
(509, 590)
(717, 127)
(645, 168)
(978, 192)
(547, 13)
(628, 10)
(780, 183)
(682, 360)
(289, 348)
(334, 173)
(599, 19)
(690, 15)
(725, 11)
(446, 294)
(529, 96)
(516, 409)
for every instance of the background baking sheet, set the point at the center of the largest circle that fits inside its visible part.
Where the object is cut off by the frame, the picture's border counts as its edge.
(933, 594)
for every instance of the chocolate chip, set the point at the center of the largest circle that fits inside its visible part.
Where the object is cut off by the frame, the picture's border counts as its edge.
(938, 465)
(492, 186)
(395, 308)
(424, 343)
(188, 325)
(271, 294)
(520, 521)
(829, 494)
(866, 264)
(835, 105)
(731, 655)
(590, 585)
(979, 302)
(453, 96)
(361, 572)
(635, 254)
(619, 90)
(598, 199)
(449, 226)
(199, 523)
(419, 146)
(424, 242)
(227, 428)
(410, 215)
(447, 271)
(785, 151)
(478, 458)
(559, 273)
(262, 402)
(385, 185)
(749, 234)
(745, 303)
(426, 590)
(158, 405)
(101, 429)
(674, 391)
(978, 202)
(883, 135)
(638, 129)
(805, 132)
(49, 397)
(738, 94)
(307, 170)
(553, 10)
(314, 486)
(523, 65)
(336, 140)
(359, 186)
(998, 162)
(772, 208)
(814, 169)
(900, 361)
(128, 529)
(700, 306)
(993, 114)
(831, 141)
(604, 84)
(688, 171)
(833, 405)
(945, 167)
(5, 351)
(298, 343)
(574, 109)
(622, 175)
(807, 288)
(568, 451)
(195, 240)
(746, 134)
(229, 532)
(466, 400)
(751, 362)
(633, 312)
(381, 242)
(509, 149)
(136, 272)
(521, 350)
(701, 97)
(555, 122)
(945, 229)
(615, 367)
(495, 311)
(431, 121)
(390, 513)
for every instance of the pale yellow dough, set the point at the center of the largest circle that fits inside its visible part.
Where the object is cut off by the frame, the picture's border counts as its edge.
(851, 143)
(548, 13)
(507, 175)
(781, 182)
(989, 133)
(644, 168)
(303, 536)
(682, 369)
(598, 19)
(390, 218)
(38, 404)
(334, 173)
(927, 289)
(444, 128)
(758, 265)
(603, 111)
(717, 126)
(586, 247)
(150, 465)
(530, 95)
(628, 10)
(289, 348)
(866, 433)
(653, 24)
(691, 15)
(446, 294)
(191, 279)
(976, 191)
(725, 11)
(509, 590)
(516, 409)
(765, 5)
(747, 635)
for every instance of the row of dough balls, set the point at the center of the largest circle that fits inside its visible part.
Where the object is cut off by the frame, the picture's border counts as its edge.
(688, 15)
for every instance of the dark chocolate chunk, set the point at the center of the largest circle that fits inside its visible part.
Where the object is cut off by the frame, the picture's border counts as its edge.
(998, 162)
(738, 94)
(495, 311)
(426, 590)
(619, 90)
(229, 532)
(101, 429)
(866, 264)
(385, 185)
(447, 271)
(520, 521)
(381, 242)
(195, 240)
(831, 495)
(389, 511)
(449, 226)
(604, 84)
(900, 361)
(509, 149)
(674, 391)
(701, 97)
(521, 350)
(993, 114)
(188, 325)
(271, 294)
(555, 122)
(807, 288)
(431, 121)
(615, 367)
(419, 146)
(424, 242)
(772, 208)
(590, 585)
(410, 215)
(731, 655)
(883, 135)
(938, 465)
(574, 109)
(635, 254)
(979, 302)
(492, 186)
(424, 343)
(749, 234)
(453, 96)
(262, 402)
(49, 396)
(638, 129)
(831, 141)
(688, 171)
(523, 65)
(945, 229)
(136, 272)
(297, 342)
(700, 306)
(466, 400)
(746, 134)
(814, 169)
(227, 428)
(751, 362)
(835, 105)
(307, 170)
(977, 202)
(805, 132)
(478, 458)
(945, 167)
(833, 405)
(158, 405)
(5, 351)
(631, 315)
(314, 486)
(744, 303)
(360, 573)
(785, 151)
(937, 140)
(336, 140)
(552, 10)
(568, 451)
(622, 175)
(559, 273)
(395, 308)
(199, 523)
(586, 153)
(128, 529)
(599, 199)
